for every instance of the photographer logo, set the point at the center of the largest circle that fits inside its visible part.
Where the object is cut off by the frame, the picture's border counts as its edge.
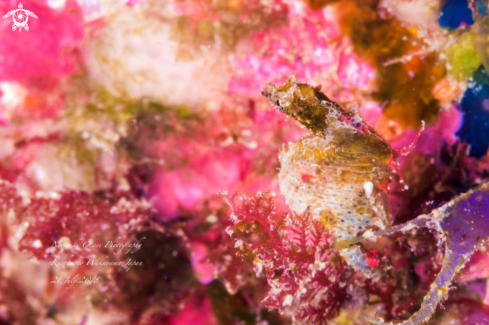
(20, 17)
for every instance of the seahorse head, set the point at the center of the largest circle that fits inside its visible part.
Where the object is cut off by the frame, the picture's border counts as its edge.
(345, 137)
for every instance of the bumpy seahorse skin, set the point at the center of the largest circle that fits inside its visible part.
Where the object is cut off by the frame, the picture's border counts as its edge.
(339, 172)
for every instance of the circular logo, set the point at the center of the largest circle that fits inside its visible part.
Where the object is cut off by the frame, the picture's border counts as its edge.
(20, 17)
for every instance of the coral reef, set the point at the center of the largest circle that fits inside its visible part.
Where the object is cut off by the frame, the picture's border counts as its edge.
(146, 180)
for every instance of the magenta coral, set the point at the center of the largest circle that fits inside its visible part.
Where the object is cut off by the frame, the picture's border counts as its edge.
(40, 57)
(309, 47)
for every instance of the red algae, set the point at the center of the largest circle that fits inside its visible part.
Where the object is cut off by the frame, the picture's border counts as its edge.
(291, 252)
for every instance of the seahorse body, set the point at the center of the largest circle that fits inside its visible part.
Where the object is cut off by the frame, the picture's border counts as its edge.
(338, 172)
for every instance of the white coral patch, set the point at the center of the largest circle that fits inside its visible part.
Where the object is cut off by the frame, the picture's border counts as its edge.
(135, 55)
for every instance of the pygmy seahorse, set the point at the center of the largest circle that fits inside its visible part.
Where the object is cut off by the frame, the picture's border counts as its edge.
(340, 172)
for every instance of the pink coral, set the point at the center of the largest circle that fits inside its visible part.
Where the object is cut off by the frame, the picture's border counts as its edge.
(189, 186)
(444, 129)
(47, 52)
(352, 73)
(476, 268)
(310, 47)
(239, 151)
(196, 312)
(204, 271)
